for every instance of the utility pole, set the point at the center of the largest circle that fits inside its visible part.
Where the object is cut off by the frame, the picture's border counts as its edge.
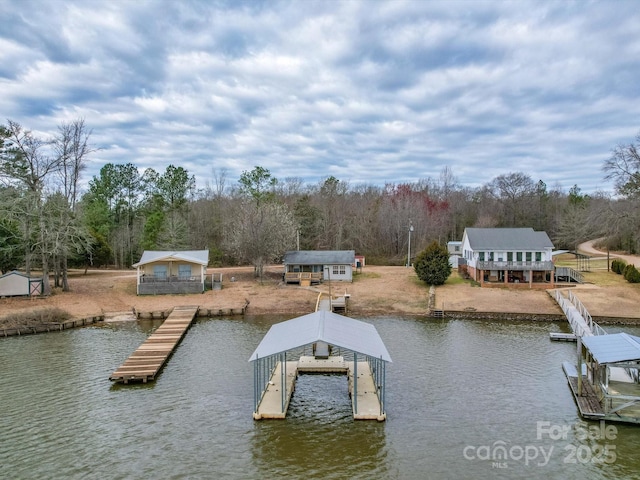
(409, 248)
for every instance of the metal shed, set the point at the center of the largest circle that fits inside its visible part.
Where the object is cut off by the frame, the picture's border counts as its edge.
(284, 350)
(14, 284)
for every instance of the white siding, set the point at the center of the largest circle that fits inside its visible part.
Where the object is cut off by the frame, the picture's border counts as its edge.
(14, 285)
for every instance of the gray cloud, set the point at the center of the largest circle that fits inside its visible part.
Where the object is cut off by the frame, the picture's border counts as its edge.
(370, 92)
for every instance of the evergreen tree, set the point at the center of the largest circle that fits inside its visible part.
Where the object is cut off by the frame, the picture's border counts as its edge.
(432, 264)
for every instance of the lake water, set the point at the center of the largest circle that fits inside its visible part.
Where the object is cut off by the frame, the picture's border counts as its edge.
(465, 399)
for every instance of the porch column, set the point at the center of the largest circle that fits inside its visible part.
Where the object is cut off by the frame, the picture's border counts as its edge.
(506, 277)
(530, 278)
(553, 278)
(481, 277)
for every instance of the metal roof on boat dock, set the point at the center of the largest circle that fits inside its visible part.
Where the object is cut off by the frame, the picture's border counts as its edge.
(613, 348)
(322, 326)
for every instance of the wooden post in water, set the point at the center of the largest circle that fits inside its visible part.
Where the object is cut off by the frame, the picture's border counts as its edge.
(355, 382)
(579, 342)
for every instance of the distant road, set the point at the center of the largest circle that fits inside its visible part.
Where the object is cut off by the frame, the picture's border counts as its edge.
(589, 249)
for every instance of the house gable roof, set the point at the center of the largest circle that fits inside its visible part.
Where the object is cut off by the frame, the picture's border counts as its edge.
(319, 257)
(322, 326)
(14, 273)
(507, 239)
(191, 256)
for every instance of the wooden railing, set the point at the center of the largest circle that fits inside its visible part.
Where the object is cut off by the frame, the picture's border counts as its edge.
(170, 279)
(501, 265)
(297, 277)
(569, 273)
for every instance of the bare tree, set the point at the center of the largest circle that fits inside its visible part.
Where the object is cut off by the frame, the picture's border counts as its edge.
(72, 148)
(27, 163)
(260, 234)
(514, 192)
(623, 167)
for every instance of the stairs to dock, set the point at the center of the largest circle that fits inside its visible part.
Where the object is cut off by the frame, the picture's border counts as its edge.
(568, 274)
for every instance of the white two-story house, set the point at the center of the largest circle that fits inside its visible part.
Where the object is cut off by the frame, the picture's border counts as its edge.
(508, 256)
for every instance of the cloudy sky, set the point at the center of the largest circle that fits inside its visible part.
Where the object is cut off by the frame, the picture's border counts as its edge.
(367, 91)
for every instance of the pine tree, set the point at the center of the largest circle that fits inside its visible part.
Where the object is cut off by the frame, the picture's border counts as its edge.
(432, 264)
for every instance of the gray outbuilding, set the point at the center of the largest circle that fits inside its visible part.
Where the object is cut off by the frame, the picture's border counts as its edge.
(16, 284)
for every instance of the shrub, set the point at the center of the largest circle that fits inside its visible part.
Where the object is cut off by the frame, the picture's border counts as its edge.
(618, 266)
(432, 264)
(631, 274)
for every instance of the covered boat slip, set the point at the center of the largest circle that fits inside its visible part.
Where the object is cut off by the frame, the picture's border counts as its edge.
(605, 384)
(321, 342)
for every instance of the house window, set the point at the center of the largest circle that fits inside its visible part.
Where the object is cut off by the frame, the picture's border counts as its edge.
(481, 256)
(528, 256)
(184, 270)
(518, 256)
(538, 256)
(491, 256)
(509, 256)
(339, 270)
(160, 271)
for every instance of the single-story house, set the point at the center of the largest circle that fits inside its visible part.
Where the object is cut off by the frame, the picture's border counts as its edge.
(508, 256)
(15, 284)
(162, 272)
(315, 266)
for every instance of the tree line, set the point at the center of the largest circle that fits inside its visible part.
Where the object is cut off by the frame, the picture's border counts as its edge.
(47, 222)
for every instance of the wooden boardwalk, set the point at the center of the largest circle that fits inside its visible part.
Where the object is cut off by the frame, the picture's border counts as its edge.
(147, 361)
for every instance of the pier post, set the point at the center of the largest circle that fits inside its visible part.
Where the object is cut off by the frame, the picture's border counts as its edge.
(355, 382)
(579, 362)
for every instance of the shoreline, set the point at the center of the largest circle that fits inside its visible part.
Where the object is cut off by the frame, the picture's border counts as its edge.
(230, 312)
(376, 292)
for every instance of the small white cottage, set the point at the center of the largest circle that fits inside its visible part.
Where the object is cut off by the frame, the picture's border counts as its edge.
(164, 272)
(319, 265)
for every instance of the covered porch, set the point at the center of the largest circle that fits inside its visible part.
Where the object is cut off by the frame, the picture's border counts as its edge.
(181, 272)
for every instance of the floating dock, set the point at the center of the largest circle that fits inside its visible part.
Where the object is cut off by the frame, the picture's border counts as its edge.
(588, 404)
(147, 361)
(365, 404)
(276, 367)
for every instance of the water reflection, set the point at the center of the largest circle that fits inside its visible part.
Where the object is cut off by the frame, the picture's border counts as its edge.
(452, 384)
(320, 429)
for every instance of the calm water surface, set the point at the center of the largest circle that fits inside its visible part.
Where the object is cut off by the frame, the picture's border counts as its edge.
(458, 393)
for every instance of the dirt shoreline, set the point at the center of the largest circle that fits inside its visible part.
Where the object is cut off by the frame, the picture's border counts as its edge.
(377, 291)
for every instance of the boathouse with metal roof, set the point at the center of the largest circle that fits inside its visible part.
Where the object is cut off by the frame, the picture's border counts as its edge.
(320, 342)
(606, 381)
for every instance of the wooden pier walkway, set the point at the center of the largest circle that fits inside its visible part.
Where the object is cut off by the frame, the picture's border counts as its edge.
(147, 361)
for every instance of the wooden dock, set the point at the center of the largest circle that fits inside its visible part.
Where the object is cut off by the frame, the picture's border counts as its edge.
(147, 361)
(562, 337)
(588, 404)
(366, 404)
(275, 401)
